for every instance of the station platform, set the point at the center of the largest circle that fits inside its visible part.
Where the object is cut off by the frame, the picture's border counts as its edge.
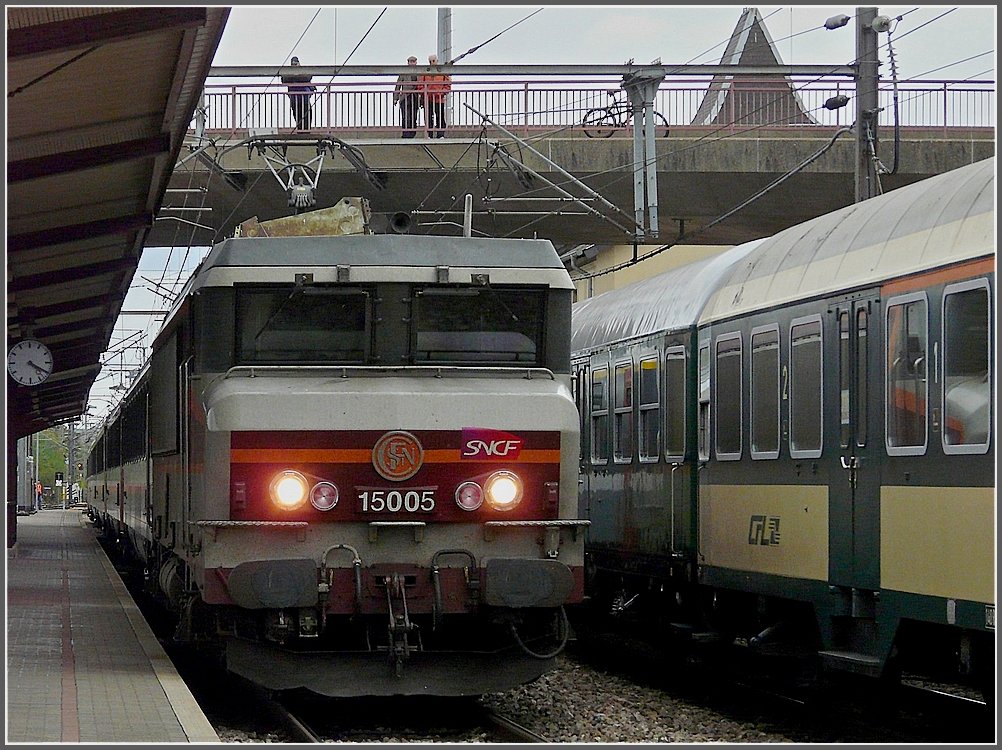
(82, 664)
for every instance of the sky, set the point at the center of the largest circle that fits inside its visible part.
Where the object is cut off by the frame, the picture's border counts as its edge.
(929, 42)
(926, 37)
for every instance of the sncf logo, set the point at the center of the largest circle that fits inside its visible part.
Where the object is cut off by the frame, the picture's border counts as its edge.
(397, 456)
(490, 445)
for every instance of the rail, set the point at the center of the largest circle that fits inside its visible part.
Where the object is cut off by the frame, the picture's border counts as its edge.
(364, 107)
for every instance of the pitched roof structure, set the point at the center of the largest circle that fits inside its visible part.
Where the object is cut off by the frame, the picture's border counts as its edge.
(747, 100)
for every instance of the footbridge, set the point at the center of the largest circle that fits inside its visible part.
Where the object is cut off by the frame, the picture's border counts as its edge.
(728, 157)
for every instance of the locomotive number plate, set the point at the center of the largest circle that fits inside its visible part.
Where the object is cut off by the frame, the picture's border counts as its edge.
(419, 500)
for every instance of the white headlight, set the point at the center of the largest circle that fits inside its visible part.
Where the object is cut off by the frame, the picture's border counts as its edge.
(324, 496)
(289, 490)
(469, 496)
(503, 490)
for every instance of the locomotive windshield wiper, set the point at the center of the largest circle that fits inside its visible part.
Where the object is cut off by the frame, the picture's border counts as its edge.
(277, 310)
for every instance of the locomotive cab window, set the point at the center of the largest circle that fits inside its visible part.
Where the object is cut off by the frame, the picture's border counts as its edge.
(302, 325)
(806, 383)
(650, 413)
(966, 387)
(727, 397)
(479, 325)
(907, 391)
(622, 436)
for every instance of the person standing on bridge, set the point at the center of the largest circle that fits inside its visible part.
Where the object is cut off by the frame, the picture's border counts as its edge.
(407, 95)
(434, 88)
(300, 96)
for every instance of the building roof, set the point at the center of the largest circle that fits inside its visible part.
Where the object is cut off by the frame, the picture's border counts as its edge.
(749, 100)
(98, 103)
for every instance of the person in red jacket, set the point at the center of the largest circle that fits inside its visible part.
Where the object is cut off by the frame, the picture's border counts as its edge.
(434, 88)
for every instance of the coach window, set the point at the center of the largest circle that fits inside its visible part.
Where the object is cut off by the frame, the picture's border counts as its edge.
(704, 403)
(675, 400)
(764, 393)
(650, 412)
(727, 397)
(966, 357)
(907, 389)
(862, 375)
(805, 387)
(599, 416)
(622, 436)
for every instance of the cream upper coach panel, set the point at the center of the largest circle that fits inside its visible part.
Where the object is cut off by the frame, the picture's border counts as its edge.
(940, 220)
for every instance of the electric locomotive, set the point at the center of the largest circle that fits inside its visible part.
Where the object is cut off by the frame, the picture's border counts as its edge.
(351, 461)
(806, 464)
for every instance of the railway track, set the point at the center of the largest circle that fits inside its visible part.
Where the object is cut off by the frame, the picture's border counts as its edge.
(455, 720)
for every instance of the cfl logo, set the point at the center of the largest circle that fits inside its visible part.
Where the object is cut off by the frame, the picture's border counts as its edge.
(764, 531)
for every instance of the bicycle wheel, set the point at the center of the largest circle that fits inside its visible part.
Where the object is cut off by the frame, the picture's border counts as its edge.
(599, 123)
(660, 122)
(660, 125)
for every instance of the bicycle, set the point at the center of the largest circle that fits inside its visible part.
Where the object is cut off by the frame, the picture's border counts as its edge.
(602, 122)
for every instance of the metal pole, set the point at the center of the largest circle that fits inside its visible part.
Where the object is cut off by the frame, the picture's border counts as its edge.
(445, 53)
(866, 103)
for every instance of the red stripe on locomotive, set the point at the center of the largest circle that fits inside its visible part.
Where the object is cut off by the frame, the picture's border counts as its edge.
(345, 458)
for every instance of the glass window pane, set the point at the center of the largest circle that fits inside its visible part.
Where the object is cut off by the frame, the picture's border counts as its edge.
(805, 387)
(967, 385)
(765, 392)
(599, 415)
(727, 391)
(906, 374)
(704, 403)
(622, 445)
(843, 377)
(481, 325)
(301, 325)
(675, 402)
(862, 381)
(650, 413)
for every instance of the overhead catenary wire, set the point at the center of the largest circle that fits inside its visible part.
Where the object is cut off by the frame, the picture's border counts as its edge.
(483, 44)
(705, 137)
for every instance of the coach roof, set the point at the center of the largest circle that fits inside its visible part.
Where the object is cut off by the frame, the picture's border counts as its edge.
(925, 225)
(669, 301)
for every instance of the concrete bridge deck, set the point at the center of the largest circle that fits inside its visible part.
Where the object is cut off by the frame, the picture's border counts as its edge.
(702, 174)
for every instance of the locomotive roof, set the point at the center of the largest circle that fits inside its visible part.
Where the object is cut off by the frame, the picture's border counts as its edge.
(925, 225)
(668, 301)
(384, 250)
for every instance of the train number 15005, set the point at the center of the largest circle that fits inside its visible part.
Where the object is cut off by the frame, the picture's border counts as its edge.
(396, 501)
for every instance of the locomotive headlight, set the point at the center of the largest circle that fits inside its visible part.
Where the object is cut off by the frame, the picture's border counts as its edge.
(324, 496)
(289, 490)
(469, 496)
(503, 490)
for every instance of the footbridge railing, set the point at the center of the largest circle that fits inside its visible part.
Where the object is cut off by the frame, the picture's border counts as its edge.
(365, 107)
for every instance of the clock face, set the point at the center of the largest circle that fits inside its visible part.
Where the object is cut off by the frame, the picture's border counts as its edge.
(29, 362)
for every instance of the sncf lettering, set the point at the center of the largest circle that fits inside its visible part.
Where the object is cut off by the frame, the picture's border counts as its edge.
(481, 444)
(494, 448)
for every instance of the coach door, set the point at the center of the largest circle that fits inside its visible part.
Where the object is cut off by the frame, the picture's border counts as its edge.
(580, 381)
(854, 507)
(184, 406)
